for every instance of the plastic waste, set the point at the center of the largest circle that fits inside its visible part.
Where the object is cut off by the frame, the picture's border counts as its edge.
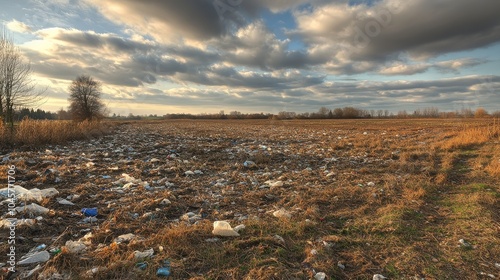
(55, 251)
(145, 254)
(37, 257)
(212, 240)
(279, 239)
(6, 223)
(125, 237)
(465, 243)
(249, 164)
(75, 247)
(63, 201)
(89, 220)
(33, 208)
(223, 228)
(282, 213)
(379, 277)
(191, 217)
(142, 265)
(38, 248)
(28, 274)
(89, 212)
(29, 195)
(238, 228)
(320, 276)
(165, 202)
(164, 270)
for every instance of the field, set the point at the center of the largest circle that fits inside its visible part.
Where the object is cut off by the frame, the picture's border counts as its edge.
(407, 199)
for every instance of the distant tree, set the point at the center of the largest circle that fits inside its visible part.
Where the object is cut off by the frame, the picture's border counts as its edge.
(323, 112)
(338, 113)
(284, 115)
(63, 115)
(402, 114)
(85, 99)
(480, 113)
(235, 115)
(351, 113)
(466, 113)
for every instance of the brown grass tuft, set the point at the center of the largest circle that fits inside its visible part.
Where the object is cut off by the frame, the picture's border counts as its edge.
(473, 135)
(39, 132)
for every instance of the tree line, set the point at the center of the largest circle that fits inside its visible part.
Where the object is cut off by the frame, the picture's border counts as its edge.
(338, 113)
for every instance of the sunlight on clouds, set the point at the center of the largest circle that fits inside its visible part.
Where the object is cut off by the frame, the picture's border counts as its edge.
(18, 26)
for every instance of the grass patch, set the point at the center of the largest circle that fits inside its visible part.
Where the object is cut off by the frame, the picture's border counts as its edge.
(472, 135)
(39, 132)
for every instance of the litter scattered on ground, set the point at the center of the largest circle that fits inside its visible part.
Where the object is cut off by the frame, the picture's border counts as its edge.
(63, 201)
(223, 228)
(465, 244)
(164, 270)
(320, 276)
(36, 257)
(75, 247)
(144, 254)
(125, 238)
(178, 179)
(23, 194)
(282, 213)
(89, 212)
(33, 209)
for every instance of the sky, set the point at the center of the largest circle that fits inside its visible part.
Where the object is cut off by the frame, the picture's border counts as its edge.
(204, 56)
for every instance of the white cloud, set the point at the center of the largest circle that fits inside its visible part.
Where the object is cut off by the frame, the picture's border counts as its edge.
(19, 27)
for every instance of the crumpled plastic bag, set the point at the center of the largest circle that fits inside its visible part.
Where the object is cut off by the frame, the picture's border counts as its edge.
(222, 228)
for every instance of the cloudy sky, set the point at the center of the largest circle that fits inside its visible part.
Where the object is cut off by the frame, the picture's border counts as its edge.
(168, 56)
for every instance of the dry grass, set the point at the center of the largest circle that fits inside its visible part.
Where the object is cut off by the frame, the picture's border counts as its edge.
(474, 134)
(39, 132)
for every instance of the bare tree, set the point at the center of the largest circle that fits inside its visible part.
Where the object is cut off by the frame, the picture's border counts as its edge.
(85, 99)
(17, 88)
(323, 112)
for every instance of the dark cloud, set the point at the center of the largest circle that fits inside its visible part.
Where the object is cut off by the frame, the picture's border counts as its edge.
(90, 39)
(192, 18)
(362, 38)
(430, 28)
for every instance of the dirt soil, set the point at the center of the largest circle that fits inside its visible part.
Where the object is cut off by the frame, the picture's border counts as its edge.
(349, 199)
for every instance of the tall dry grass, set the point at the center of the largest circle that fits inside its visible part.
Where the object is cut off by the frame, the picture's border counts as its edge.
(474, 135)
(38, 132)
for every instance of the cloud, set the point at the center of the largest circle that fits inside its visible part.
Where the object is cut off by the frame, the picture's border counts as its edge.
(343, 35)
(255, 46)
(66, 53)
(91, 39)
(166, 20)
(404, 69)
(19, 27)
(455, 65)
